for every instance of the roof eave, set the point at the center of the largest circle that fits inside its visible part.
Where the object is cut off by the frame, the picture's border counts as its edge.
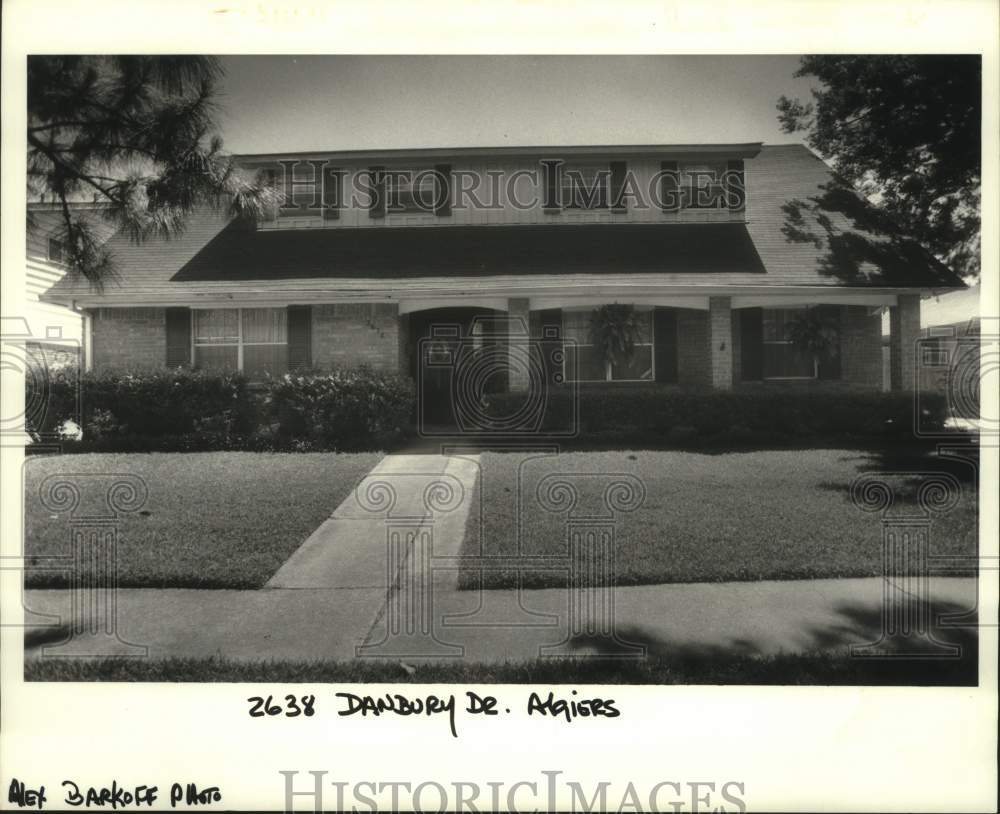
(731, 150)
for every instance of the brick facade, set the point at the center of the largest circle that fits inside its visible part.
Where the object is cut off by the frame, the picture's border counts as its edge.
(693, 364)
(130, 339)
(720, 337)
(350, 335)
(904, 331)
(519, 320)
(861, 346)
(374, 334)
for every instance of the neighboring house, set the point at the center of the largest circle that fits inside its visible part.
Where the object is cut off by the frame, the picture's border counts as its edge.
(948, 349)
(738, 240)
(56, 327)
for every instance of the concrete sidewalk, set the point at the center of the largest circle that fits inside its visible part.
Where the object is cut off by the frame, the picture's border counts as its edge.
(496, 626)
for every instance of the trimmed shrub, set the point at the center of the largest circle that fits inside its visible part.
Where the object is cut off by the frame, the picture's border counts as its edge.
(343, 410)
(186, 411)
(155, 404)
(666, 414)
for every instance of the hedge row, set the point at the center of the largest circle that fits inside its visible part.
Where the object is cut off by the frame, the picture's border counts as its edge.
(666, 414)
(182, 410)
(365, 410)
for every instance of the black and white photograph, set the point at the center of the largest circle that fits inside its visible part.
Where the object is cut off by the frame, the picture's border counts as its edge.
(423, 395)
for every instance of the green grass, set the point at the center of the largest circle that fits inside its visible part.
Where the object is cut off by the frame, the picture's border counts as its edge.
(803, 669)
(732, 516)
(212, 519)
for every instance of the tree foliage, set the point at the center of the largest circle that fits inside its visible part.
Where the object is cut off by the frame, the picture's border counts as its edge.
(137, 135)
(905, 131)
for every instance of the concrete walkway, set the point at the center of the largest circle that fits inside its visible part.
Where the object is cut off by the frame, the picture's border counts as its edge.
(403, 492)
(490, 626)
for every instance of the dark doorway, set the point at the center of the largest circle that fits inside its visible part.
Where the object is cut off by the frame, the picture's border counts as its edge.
(457, 356)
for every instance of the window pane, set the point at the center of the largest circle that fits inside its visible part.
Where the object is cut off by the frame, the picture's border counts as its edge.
(216, 326)
(265, 325)
(639, 367)
(586, 362)
(217, 357)
(259, 359)
(576, 326)
(785, 360)
(644, 321)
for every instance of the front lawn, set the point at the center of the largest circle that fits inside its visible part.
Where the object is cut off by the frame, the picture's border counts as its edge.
(212, 519)
(791, 668)
(705, 518)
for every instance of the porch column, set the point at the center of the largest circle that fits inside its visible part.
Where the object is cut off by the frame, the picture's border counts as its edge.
(904, 331)
(518, 309)
(720, 342)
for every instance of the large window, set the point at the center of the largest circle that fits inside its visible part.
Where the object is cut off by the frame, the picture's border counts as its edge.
(783, 359)
(584, 186)
(253, 340)
(587, 360)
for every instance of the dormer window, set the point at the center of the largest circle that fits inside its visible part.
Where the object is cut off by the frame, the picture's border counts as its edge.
(584, 186)
(702, 186)
(412, 190)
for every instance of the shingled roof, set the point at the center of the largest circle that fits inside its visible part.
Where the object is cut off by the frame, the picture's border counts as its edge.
(474, 251)
(802, 229)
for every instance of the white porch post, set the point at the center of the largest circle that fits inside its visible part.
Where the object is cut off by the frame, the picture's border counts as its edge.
(518, 309)
(904, 331)
(720, 341)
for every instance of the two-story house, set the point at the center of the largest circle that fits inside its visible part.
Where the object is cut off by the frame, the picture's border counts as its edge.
(718, 248)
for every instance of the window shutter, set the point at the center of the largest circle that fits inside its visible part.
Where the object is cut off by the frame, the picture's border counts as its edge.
(178, 337)
(442, 203)
(551, 344)
(377, 207)
(752, 343)
(299, 337)
(331, 192)
(669, 187)
(829, 367)
(618, 186)
(665, 344)
(736, 191)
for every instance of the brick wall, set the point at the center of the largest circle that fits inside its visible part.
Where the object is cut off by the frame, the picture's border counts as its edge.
(693, 364)
(904, 331)
(129, 338)
(350, 335)
(861, 346)
(720, 326)
(737, 348)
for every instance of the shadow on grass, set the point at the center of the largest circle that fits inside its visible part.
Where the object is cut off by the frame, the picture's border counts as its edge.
(850, 651)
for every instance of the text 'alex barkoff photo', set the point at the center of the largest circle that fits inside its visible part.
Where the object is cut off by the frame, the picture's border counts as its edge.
(378, 375)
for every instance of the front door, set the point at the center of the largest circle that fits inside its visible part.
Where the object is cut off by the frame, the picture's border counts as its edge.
(445, 344)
